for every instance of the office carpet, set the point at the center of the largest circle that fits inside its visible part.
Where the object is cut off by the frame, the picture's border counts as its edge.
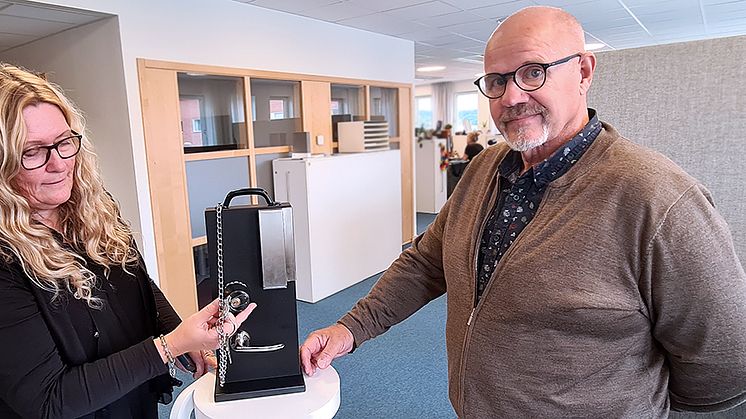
(402, 373)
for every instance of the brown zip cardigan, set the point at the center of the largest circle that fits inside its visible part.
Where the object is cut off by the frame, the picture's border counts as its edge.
(622, 298)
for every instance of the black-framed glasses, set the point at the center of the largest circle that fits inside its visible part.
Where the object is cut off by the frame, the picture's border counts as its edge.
(37, 156)
(528, 77)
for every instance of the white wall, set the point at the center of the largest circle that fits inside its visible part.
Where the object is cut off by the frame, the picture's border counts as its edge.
(86, 62)
(228, 33)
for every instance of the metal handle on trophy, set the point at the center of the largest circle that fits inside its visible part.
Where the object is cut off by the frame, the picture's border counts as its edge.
(240, 343)
(237, 298)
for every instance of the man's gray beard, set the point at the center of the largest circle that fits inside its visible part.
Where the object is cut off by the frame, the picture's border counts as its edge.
(522, 143)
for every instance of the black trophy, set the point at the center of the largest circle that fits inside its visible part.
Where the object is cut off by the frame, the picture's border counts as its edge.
(252, 255)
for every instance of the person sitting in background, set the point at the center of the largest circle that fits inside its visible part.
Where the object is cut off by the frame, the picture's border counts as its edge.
(87, 333)
(472, 146)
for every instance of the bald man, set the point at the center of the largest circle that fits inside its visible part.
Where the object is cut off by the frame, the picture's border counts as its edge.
(597, 279)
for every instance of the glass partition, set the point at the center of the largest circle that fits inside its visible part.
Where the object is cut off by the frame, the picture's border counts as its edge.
(209, 181)
(384, 106)
(275, 105)
(212, 112)
(347, 105)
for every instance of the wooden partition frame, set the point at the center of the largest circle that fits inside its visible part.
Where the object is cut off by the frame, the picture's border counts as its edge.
(168, 197)
(166, 159)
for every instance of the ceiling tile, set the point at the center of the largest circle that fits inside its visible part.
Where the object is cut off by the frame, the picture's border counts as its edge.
(423, 33)
(12, 40)
(726, 10)
(500, 11)
(338, 11)
(476, 4)
(26, 26)
(596, 11)
(383, 5)
(483, 26)
(460, 44)
(423, 10)
(446, 31)
(601, 26)
(458, 18)
(379, 22)
(50, 14)
(564, 3)
(293, 6)
(442, 40)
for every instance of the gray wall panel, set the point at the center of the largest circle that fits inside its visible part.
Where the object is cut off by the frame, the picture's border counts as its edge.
(687, 101)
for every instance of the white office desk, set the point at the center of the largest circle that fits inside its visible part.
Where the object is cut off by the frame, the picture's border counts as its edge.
(320, 401)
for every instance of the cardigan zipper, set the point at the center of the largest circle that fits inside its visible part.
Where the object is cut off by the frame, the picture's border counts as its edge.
(495, 184)
(479, 303)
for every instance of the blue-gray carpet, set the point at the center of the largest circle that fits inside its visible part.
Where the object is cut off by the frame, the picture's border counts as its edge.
(402, 373)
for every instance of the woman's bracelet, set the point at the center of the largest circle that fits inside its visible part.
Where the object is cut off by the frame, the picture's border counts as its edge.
(169, 357)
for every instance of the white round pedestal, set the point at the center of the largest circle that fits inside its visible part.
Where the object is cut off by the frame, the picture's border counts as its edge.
(319, 401)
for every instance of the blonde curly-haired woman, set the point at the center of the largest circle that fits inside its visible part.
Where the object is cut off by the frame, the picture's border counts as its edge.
(85, 331)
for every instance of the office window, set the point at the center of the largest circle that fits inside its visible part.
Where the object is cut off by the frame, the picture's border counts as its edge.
(466, 111)
(279, 108)
(424, 112)
(212, 112)
(276, 108)
(338, 106)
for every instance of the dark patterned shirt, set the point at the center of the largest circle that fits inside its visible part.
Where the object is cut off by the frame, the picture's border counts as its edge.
(520, 196)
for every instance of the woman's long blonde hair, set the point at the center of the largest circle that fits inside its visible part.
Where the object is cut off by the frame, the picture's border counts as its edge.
(89, 221)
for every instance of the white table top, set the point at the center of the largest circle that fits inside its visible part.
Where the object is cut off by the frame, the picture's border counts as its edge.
(320, 400)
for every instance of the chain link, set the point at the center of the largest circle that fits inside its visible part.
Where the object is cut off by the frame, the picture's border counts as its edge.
(225, 356)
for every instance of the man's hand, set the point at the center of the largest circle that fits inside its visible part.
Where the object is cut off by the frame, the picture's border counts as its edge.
(322, 346)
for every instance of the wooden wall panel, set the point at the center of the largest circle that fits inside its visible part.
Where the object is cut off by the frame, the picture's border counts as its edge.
(168, 194)
(316, 102)
(406, 147)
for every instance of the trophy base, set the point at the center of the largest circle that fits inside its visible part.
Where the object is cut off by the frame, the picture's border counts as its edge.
(259, 388)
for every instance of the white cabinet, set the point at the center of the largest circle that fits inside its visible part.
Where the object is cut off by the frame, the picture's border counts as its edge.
(431, 182)
(363, 136)
(347, 217)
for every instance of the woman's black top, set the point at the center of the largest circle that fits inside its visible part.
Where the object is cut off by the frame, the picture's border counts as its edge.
(62, 359)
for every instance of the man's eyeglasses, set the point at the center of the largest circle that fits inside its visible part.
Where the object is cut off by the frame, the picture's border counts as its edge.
(528, 77)
(37, 156)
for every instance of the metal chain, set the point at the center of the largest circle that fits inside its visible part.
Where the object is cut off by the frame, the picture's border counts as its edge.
(225, 354)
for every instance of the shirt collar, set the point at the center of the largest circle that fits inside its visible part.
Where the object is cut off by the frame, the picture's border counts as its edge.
(558, 163)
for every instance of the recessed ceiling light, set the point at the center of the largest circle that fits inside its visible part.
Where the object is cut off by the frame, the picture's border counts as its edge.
(431, 68)
(594, 46)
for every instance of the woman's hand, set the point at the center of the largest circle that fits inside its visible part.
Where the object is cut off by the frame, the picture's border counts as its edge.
(204, 361)
(199, 332)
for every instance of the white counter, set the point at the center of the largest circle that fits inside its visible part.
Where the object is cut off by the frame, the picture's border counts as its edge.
(347, 214)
